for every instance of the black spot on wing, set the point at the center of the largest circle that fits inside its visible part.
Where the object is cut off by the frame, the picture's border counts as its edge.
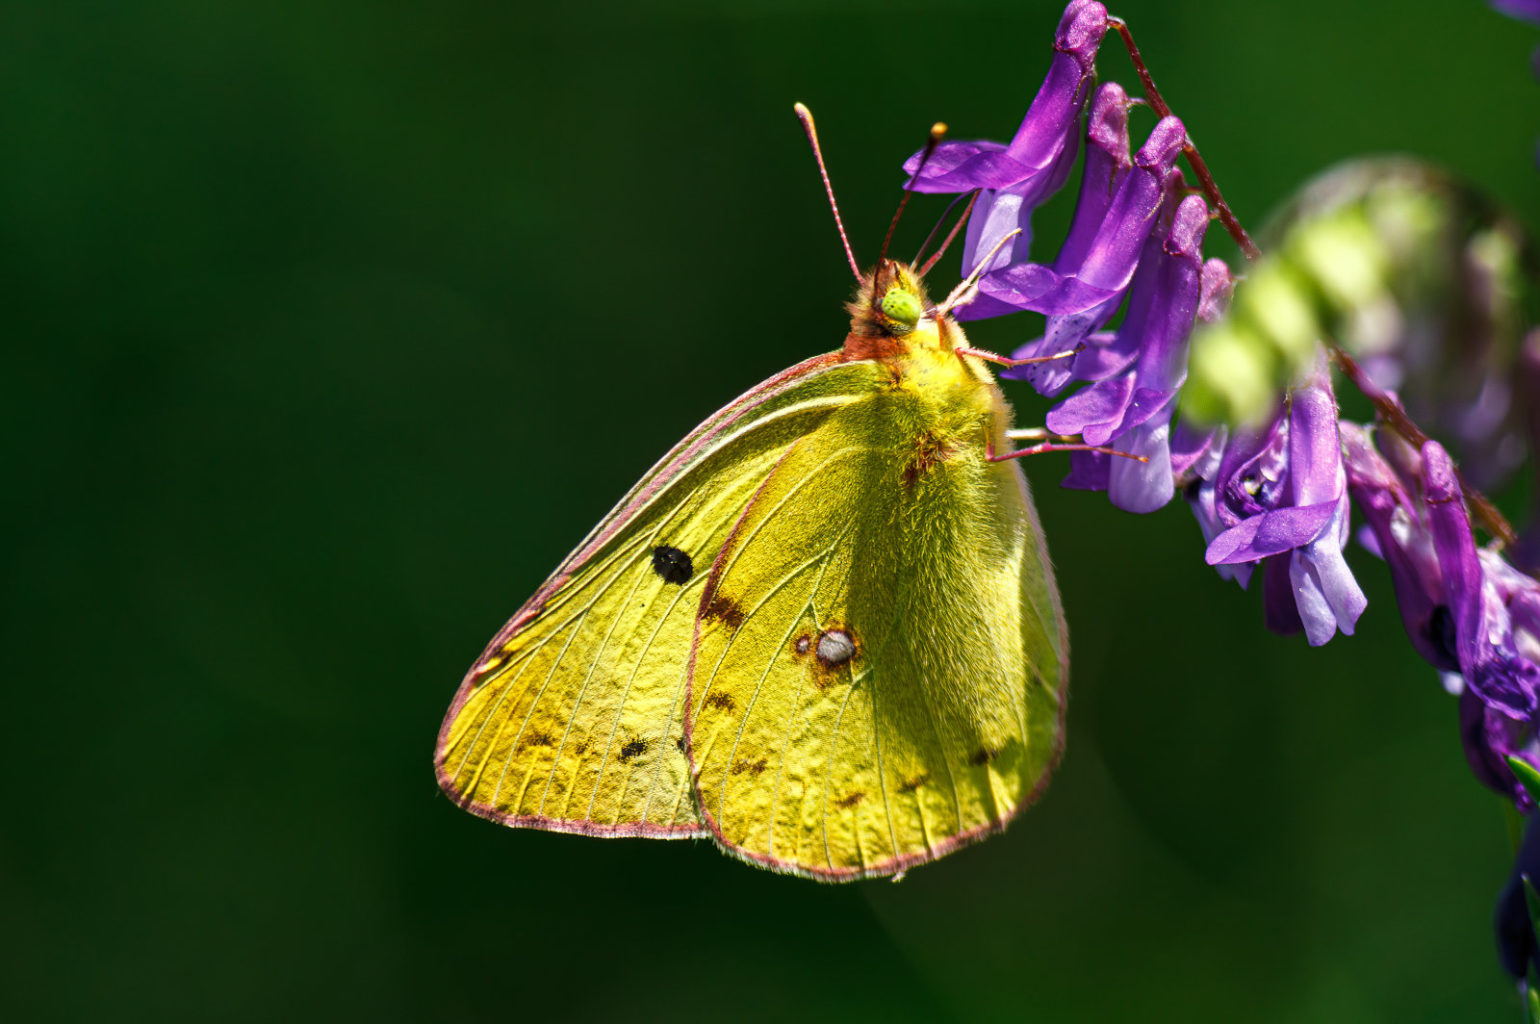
(672, 564)
(636, 748)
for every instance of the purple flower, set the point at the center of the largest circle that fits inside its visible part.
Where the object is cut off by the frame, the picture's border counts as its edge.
(1478, 595)
(1202, 496)
(1132, 409)
(996, 214)
(1104, 271)
(1388, 501)
(1468, 612)
(1489, 738)
(1218, 290)
(1016, 179)
(1283, 492)
(1489, 731)
(1496, 614)
(1510, 919)
(1039, 158)
(1524, 10)
(1153, 338)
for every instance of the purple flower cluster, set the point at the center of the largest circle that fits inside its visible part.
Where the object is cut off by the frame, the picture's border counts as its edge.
(1524, 10)
(1274, 498)
(1278, 498)
(1468, 612)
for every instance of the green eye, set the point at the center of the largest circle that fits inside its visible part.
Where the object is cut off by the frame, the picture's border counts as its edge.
(902, 307)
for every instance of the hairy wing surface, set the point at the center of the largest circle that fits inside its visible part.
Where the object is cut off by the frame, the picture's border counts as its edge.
(878, 676)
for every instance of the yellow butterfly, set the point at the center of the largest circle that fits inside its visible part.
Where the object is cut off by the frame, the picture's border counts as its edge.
(822, 631)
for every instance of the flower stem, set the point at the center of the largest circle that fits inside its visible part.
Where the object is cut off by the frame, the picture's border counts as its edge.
(1190, 151)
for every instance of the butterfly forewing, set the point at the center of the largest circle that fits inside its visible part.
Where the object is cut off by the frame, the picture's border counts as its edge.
(573, 718)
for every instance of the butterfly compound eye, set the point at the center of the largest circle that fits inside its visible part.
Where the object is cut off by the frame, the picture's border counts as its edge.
(902, 307)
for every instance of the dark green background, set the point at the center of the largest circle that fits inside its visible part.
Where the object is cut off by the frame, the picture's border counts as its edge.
(331, 327)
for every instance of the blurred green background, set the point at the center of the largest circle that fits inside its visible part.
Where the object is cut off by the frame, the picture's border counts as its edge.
(331, 328)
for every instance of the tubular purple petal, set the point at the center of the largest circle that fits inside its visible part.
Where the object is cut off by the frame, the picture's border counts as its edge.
(1047, 131)
(1270, 533)
(1524, 10)
(1252, 473)
(995, 215)
(1493, 668)
(1144, 486)
(1325, 591)
(1113, 253)
(1088, 471)
(1218, 288)
(1168, 324)
(1490, 737)
(1280, 612)
(1107, 160)
(1327, 594)
(1315, 450)
(1094, 412)
(1405, 544)
(1455, 546)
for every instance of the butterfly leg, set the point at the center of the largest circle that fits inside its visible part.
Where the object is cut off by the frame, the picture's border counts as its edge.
(1054, 443)
(993, 357)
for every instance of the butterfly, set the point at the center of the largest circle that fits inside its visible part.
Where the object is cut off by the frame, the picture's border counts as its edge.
(822, 631)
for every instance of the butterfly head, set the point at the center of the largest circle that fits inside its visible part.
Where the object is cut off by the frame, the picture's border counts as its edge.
(891, 314)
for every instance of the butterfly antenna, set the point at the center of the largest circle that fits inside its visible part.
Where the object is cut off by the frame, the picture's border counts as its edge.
(949, 235)
(937, 132)
(937, 226)
(806, 117)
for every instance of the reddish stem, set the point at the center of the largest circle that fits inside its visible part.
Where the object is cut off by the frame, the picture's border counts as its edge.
(936, 258)
(1395, 417)
(1389, 410)
(1190, 151)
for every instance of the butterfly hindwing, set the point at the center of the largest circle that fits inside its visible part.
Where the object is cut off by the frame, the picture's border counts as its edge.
(878, 670)
(573, 718)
